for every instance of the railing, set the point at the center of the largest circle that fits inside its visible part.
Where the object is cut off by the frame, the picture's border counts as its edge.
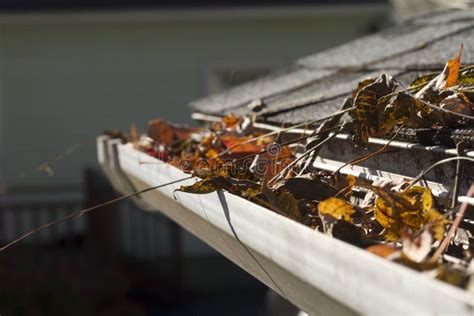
(122, 228)
(23, 210)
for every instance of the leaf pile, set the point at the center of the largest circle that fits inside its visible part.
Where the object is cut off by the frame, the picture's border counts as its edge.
(402, 222)
(433, 100)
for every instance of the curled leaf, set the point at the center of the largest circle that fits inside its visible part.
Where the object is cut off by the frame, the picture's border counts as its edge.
(367, 102)
(166, 133)
(450, 74)
(206, 185)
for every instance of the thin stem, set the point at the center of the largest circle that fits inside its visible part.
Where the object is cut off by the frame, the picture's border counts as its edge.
(435, 107)
(307, 153)
(370, 155)
(425, 171)
(452, 230)
(264, 150)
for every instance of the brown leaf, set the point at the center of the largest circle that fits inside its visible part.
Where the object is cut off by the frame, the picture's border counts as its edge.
(165, 133)
(349, 233)
(282, 202)
(367, 103)
(458, 103)
(308, 189)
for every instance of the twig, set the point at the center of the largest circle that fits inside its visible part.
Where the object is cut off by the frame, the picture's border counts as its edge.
(370, 155)
(292, 141)
(452, 230)
(457, 178)
(425, 171)
(86, 210)
(435, 107)
(308, 152)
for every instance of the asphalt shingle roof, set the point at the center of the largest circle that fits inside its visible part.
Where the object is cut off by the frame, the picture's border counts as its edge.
(316, 85)
(382, 46)
(268, 86)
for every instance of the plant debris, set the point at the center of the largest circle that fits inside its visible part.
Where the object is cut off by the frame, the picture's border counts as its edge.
(402, 222)
(442, 100)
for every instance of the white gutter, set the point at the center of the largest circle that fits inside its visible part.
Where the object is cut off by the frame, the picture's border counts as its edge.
(319, 274)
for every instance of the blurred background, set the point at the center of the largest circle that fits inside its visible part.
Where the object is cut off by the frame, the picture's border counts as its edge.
(70, 69)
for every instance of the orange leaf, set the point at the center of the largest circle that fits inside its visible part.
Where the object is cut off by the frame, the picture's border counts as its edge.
(382, 250)
(165, 133)
(336, 208)
(237, 145)
(212, 153)
(134, 135)
(231, 121)
(450, 74)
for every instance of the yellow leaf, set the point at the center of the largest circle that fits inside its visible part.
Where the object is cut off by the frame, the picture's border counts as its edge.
(337, 208)
(410, 209)
(206, 186)
(438, 223)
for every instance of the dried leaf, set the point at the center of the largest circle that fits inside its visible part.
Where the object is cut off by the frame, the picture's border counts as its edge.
(212, 154)
(134, 135)
(238, 145)
(458, 103)
(349, 233)
(161, 132)
(308, 189)
(422, 81)
(231, 121)
(282, 202)
(367, 102)
(206, 185)
(351, 180)
(466, 76)
(165, 133)
(337, 208)
(410, 209)
(244, 188)
(362, 84)
(450, 74)
(382, 250)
